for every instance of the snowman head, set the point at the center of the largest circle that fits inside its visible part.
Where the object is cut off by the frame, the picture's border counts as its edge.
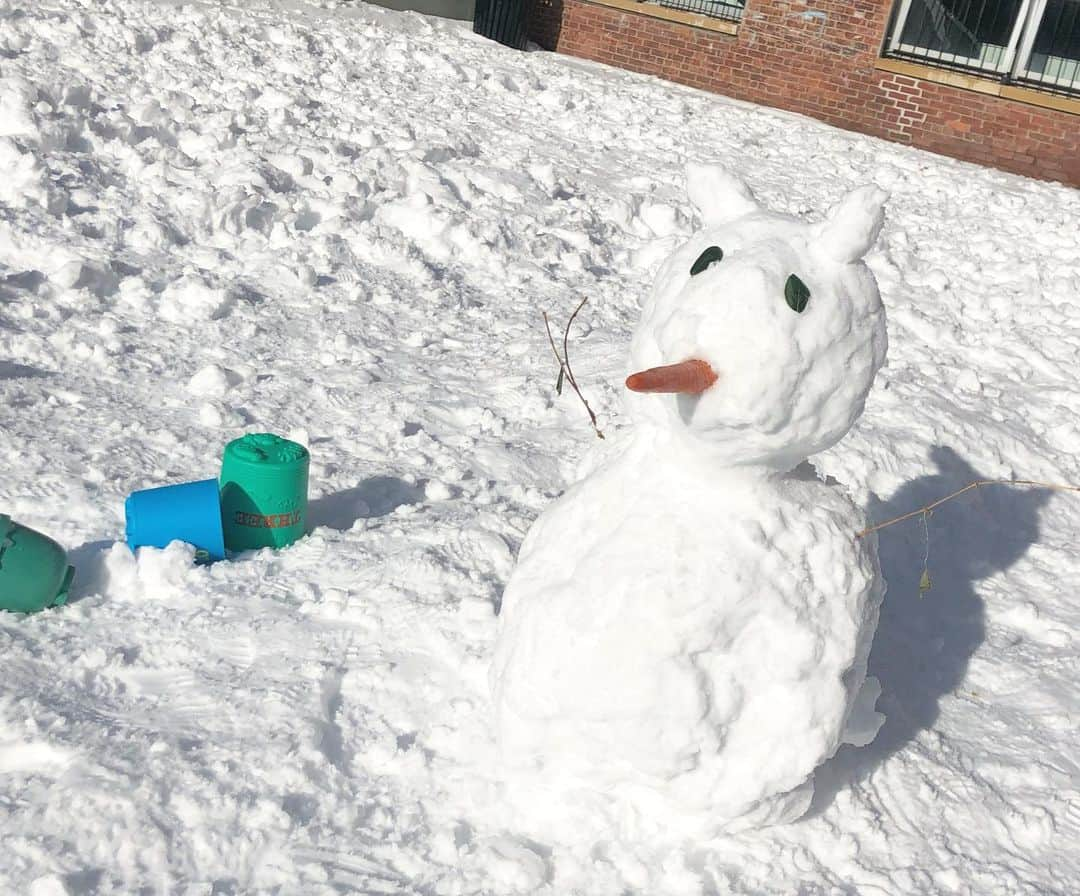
(763, 333)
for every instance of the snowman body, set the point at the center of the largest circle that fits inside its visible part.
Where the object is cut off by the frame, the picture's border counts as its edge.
(684, 639)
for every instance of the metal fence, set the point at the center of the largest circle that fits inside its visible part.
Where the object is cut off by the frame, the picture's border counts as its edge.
(729, 10)
(1034, 43)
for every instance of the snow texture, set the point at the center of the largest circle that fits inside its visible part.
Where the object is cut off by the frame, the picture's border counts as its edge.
(686, 636)
(342, 224)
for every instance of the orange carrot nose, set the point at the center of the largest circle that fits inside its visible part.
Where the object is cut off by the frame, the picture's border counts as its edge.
(688, 377)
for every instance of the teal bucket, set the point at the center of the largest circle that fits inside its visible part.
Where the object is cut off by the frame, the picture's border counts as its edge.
(34, 572)
(264, 485)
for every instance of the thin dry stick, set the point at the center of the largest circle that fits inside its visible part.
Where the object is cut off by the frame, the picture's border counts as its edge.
(564, 362)
(566, 340)
(977, 484)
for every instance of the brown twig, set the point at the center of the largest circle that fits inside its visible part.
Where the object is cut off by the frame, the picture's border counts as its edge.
(564, 362)
(977, 484)
(566, 340)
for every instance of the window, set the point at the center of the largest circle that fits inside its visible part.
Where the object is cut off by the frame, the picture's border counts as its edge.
(729, 10)
(1032, 42)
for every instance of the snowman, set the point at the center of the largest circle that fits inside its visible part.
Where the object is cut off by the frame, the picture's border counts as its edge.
(685, 636)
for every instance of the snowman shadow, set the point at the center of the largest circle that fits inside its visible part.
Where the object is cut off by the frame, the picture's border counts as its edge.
(924, 642)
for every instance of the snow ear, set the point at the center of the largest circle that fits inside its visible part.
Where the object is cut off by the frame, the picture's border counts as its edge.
(853, 225)
(717, 194)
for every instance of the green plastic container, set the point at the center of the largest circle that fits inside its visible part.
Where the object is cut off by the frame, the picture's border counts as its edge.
(34, 572)
(264, 483)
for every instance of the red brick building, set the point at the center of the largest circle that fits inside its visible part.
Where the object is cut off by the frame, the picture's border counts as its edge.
(990, 81)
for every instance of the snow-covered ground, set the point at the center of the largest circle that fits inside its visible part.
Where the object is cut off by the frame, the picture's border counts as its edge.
(343, 225)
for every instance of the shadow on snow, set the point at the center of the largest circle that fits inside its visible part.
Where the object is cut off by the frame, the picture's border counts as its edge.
(924, 643)
(377, 496)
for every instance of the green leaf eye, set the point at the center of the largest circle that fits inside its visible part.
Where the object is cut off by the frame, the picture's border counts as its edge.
(710, 256)
(797, 294)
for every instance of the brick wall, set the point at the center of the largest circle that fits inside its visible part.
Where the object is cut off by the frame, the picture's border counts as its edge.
(819, 60)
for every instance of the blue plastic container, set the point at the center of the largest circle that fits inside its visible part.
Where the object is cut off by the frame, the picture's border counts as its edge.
(190, 512)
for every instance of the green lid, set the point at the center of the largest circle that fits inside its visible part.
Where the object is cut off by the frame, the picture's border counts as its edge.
(265, 448)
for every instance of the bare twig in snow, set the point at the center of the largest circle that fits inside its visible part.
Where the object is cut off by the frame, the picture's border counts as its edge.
(967, 488)
(566, 372)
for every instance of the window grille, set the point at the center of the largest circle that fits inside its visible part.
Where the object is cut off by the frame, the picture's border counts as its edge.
(729, 10)
(1035, 43)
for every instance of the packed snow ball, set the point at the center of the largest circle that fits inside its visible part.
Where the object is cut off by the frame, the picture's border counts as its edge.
(685, 637)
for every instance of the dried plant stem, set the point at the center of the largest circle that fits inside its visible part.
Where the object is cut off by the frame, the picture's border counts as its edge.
(564, 362)
(967, 488)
